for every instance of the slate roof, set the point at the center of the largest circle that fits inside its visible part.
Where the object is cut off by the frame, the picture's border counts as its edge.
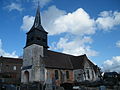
(57, 60)
(65, 61)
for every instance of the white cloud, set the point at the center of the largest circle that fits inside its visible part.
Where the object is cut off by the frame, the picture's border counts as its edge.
(108, 20)
(27, 22)
(5, 54)
(57, 21)
(113, 64)
(14, 6)
(77, 22)
(75, 47)
(118, 44)
(49, 17)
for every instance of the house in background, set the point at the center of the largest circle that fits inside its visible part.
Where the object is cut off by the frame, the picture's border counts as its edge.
(49, 67)
(10, 70)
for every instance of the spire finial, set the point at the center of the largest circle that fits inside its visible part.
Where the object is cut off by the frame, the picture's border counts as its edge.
(37, 21)
(38, 3)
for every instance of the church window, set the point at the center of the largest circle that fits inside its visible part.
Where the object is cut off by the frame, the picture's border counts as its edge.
(26, 76)
(56, 74)
(14, 68)
(8, 67)
(88, 75)
(93, 74)
(85, 75)
(67, 74)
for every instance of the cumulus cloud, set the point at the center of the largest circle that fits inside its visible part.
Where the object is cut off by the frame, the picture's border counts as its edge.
(75, 47)
(27, 22)
(57, 21)
(118, 44)
(77, 22)
(14, 6)
(113, 64)
(5, 54)
(107, 20)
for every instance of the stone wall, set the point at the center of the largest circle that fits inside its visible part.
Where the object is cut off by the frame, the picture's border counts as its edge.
(33, 57)
(50, 76)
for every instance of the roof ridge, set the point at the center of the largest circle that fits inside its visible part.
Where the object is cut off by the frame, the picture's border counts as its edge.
(66, 53)
(10, 57)
(60, 53)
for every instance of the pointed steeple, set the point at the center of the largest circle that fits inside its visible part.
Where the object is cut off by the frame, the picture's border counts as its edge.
(37, 21)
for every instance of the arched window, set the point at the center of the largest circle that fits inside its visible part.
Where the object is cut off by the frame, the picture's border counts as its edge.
(14, 68)
(92, 74)
(26, 73)
(88, 75)
(67, 74)
(56, 74)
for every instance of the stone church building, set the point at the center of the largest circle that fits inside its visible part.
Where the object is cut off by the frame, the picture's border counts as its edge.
(50, 67)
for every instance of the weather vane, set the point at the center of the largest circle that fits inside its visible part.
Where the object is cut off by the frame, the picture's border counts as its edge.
(38, 3)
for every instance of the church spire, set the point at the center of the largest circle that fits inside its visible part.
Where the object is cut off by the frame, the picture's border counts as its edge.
(37, 21)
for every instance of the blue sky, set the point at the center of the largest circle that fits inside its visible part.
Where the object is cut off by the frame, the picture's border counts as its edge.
(75, 27)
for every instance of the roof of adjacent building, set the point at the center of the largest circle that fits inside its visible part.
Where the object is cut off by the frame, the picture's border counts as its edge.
(11, 60)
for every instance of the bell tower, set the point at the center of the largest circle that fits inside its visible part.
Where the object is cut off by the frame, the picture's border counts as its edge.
(33, 69)
(37, 34)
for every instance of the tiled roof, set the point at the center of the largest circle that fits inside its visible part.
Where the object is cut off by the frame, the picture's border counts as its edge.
(65, 61)
(57, 60)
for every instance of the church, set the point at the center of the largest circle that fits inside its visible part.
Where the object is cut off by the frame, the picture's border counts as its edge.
(50, 67)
